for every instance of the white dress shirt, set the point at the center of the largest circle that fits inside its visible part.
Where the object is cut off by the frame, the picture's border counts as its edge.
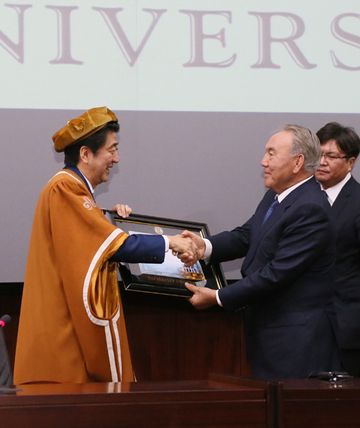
(333, 192)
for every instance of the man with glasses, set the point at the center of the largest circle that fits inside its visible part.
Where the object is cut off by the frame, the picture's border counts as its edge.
(340, 147)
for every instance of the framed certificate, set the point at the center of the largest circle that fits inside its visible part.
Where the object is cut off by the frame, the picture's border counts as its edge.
(170, 276)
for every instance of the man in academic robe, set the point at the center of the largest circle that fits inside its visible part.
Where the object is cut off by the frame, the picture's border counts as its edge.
(72, 326)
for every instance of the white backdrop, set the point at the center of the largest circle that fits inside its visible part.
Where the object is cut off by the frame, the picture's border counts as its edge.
(181, 55)
(198, 88)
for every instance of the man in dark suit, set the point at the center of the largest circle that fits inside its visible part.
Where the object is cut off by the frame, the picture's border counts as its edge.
(290, 252)
(340, 146)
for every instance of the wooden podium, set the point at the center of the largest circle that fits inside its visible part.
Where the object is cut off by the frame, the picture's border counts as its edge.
(169, 339)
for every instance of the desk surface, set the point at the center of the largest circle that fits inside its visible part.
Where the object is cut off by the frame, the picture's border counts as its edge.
(317, 403)
(146, 404)
(222, 401)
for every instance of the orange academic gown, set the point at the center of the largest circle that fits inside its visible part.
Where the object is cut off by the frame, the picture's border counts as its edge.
(72, 326)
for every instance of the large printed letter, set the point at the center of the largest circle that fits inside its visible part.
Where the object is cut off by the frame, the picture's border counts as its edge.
(266, 40)
(131, 54)
(64, 38)
(198, 36)
(348, 38)
(16, 49)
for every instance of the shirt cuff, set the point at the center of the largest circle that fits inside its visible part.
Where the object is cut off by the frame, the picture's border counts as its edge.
(218, 299)
(208, 249)
(166, 239)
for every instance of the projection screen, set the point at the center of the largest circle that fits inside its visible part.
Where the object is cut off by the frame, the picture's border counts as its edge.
(198, 88)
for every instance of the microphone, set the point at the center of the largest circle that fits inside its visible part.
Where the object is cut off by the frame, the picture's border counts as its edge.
(6, 380)
(5, 319)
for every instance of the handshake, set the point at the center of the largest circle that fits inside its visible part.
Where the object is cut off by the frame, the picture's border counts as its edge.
(187, 246)
(190, 248)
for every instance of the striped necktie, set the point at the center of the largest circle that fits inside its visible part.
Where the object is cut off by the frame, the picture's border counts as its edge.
(270, 210)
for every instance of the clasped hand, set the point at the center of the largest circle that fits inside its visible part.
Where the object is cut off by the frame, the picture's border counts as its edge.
(188, 247)
(184, 248)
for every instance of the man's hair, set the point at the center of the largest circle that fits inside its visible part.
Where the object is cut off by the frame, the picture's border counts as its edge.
(345, 137)
(94, 142)
(305, 142)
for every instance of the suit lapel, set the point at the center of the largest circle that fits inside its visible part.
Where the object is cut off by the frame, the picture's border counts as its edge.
(343, 198)
(259, 229)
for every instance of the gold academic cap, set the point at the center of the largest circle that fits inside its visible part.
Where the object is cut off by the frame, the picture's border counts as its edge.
(83, 126)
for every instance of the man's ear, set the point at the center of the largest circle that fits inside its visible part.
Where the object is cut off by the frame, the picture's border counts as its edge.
(299, 163)
(84, 154)
(351, 162)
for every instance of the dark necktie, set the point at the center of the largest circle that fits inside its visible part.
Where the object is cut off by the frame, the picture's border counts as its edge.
(328, 198)
(271, 208)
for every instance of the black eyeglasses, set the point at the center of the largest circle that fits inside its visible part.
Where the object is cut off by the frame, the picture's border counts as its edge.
(332, 156)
